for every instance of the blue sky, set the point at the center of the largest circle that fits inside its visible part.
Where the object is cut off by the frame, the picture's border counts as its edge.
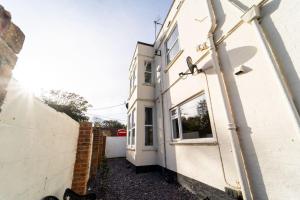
(83, 46)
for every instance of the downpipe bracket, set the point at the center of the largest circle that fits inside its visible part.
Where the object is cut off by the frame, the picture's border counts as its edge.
(251, 14)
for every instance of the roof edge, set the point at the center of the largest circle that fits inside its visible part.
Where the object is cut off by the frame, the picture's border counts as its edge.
(147, 44)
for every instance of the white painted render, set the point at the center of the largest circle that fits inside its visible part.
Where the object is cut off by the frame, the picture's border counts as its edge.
(37, 145)
(266, 123)
(115, 147)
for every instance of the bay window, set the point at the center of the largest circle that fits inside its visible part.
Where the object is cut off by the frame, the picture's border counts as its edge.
(148, 72)
(148, 126)
(131, 129)
(132, 82)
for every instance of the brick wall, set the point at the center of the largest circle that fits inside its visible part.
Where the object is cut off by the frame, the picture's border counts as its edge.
(98, 150)
(83, 158)
(11, 42)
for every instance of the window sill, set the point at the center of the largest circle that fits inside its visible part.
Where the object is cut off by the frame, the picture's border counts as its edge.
(130, 148)
(149, 84)
(203, 141)
(173, 61)
(150, 148)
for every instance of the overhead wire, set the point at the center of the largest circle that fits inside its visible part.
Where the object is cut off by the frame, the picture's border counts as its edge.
(107, 107)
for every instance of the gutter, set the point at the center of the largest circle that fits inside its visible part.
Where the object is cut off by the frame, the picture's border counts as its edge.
(234, 139)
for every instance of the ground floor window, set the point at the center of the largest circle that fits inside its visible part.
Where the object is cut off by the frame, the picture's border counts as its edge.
(190, 120)
(131, 129)
(128, 129)
(148, 126)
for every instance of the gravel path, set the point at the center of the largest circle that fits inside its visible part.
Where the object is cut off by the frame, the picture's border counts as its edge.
(122, 183)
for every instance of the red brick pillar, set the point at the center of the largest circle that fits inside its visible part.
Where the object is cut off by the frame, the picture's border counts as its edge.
(103, 144)
(83, 158)
(96, 151)
(11, 42)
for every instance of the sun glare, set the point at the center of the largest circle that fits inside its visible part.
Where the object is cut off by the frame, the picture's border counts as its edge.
(31, 86)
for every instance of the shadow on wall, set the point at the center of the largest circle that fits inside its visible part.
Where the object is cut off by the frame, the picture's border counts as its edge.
(235, 58)
(238, 56)
(280, 50)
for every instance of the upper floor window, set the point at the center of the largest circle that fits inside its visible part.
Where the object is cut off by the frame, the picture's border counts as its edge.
(172, 45)
(132, 81)
(148, 126)
(148, 72)
(191, 120)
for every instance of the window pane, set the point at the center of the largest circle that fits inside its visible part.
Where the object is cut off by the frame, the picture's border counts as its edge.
(148, 66)
(133, 136)
(174, 112)
(128, 122)
(172, 38)
(148, 135)
(128, 137)
(173, 52)
(133, 119)
(148, 116)
(148, 77)
(195, 119)
(175, 128)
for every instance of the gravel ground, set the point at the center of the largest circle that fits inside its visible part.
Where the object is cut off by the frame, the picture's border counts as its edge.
(122, 183)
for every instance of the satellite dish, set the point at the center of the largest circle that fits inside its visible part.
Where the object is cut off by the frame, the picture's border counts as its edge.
(190, 64)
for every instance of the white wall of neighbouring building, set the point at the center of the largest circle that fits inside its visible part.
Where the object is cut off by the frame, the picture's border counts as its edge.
(37, 148)
(115, 147)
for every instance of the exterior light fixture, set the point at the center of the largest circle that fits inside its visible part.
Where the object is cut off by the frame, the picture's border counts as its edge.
(157, 52)
(192, 67)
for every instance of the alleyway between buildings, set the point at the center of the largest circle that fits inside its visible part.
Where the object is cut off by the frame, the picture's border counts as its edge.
(120, 182)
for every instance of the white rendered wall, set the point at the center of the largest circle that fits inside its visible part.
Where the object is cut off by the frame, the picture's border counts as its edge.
(211, 163)
(38, 148)
(115, 147)
(269, 135)
(142, 97)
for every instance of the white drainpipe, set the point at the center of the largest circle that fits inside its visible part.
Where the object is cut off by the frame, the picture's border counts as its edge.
(234, 139)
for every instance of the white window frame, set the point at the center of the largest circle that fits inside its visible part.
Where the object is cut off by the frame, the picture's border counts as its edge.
(149, 72)
(129, 129)
(172, 117)
(194, 140)
(132, 79)
(166, 48)
(131, 126)
(148, 125)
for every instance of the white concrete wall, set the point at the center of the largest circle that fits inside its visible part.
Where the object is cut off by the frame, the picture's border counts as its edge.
(115, 147)
(37, 148)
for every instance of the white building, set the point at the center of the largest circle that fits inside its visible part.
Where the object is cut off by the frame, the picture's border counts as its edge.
(234, 124)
